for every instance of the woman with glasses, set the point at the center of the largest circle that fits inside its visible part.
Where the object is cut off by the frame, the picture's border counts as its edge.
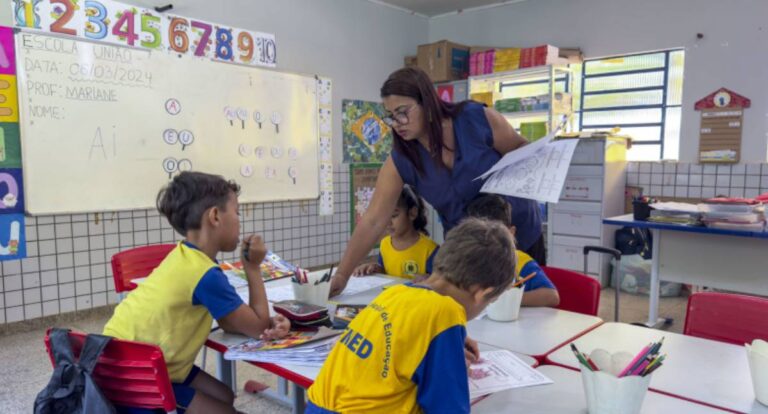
(439, 149)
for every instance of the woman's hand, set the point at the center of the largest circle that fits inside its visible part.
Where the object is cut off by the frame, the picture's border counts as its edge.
(338, 283)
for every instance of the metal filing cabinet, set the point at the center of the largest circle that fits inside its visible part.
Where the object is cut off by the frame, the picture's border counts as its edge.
(593, 190)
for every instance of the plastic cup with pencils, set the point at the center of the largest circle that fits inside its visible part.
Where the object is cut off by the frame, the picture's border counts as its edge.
(311, 288)
(617, 383)
(506, 308)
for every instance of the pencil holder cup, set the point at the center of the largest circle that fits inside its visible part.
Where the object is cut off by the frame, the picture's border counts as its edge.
(608, 394)
(757, 353)
(506, 308)
(641, 210)
(315, 294)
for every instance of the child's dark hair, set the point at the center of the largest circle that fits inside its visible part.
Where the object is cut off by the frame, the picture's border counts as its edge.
(408, 200)
(491, 207)
(184, 200)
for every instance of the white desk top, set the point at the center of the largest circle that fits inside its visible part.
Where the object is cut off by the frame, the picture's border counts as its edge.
(566, 396)
(311, 372)
(537, 331)
(701, 370)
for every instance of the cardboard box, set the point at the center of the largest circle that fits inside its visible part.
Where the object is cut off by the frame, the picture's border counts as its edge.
(410, 61)
(507, 59)
(572, 54)
(444, 60)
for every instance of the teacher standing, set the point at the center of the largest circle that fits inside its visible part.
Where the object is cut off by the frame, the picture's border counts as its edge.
(439, 149)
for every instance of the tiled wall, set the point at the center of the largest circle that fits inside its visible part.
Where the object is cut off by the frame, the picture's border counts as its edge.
(68, 268)
(684, 180)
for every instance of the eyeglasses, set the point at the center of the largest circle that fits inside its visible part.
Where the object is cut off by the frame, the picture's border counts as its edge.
(400, 117)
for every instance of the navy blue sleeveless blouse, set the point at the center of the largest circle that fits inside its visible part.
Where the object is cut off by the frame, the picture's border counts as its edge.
(450, 191)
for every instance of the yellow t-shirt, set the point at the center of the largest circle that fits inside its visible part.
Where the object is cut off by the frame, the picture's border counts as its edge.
(161, 310)
(414, 260)
(404, 353)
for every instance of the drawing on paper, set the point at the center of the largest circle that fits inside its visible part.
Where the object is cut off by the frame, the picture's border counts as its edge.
(536, 174)
(366, 137)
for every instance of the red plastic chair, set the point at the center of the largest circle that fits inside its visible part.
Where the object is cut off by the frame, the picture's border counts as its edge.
(578, 293)
(727, 317)
(136, 263)
(130, 374)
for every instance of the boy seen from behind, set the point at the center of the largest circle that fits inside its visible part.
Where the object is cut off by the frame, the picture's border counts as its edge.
(175, 307)
(405, 352)
(539, 291)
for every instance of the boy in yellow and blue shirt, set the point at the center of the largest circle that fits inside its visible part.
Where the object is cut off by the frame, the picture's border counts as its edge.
(405, 352)
(539, 290)
(175, 307)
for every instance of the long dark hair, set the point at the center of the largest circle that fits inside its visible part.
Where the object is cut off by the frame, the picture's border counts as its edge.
(410, 199)
(415, 83)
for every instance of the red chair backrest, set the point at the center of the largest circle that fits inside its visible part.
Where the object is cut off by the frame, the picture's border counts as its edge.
(130, 374)
(578, 292)
(135, 263)
(727, 317)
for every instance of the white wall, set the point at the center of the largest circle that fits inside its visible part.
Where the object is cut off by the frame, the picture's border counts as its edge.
(732, 53)
(354, 42)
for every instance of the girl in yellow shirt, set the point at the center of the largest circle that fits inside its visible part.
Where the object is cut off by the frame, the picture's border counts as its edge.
(407, 251)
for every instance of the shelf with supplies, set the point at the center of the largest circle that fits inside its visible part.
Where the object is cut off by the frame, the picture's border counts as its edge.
(533, 100)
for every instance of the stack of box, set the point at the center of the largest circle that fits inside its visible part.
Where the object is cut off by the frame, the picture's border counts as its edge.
(539, 56)
(481, 60)
(507, 59)
(562, 103)
(483, 97)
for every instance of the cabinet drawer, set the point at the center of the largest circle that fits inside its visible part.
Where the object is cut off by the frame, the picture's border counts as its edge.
(582, 188)
(568, 253)
(576, 223)
(589, 152)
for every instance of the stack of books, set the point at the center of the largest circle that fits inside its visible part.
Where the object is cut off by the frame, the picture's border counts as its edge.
(733, 214)
(675, 213)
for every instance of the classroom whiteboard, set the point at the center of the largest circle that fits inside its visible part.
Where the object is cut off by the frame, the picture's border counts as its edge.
(104, 127)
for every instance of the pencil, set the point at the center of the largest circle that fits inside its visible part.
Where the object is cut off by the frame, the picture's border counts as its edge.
(523, 280)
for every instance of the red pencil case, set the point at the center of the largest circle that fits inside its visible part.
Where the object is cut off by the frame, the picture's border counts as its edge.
(300, 311)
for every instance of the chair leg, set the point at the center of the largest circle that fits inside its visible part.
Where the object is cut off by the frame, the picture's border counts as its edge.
(205, 353)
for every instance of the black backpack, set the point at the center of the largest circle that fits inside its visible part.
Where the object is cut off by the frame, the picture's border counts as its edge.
(634, 240)
(71, 388)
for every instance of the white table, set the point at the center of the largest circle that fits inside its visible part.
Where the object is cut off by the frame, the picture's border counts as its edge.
(701, 370)
(726, 259)
(566, 396)
(537, 331)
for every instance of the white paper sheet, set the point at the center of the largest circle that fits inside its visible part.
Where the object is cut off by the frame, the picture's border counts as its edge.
(520, 154)
(280, 293)
(361, 284)
(538, 175)
(501, 370)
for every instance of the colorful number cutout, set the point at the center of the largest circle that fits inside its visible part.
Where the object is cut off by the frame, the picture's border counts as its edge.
(205, 36)
(223, 43)
(245, 45)
(65, 16)
(95, 28)
(151, 24)
(177, 35)
(129, 34)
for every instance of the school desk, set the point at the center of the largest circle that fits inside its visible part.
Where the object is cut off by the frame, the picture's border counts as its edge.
(536, 332)
(696, 369)
(566, 396)
(725, 259)
(300, 377)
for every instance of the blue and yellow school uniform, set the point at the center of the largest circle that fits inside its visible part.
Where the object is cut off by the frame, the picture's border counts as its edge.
(404, 353)
(174, 309)
(525, 266)
(415, 260)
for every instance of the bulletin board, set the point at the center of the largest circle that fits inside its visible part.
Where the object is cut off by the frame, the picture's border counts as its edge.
(104, 127)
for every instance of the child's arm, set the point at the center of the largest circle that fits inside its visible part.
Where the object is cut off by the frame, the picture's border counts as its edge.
(441, 377)
(253, 319)
(541, 297)
(368, 269)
